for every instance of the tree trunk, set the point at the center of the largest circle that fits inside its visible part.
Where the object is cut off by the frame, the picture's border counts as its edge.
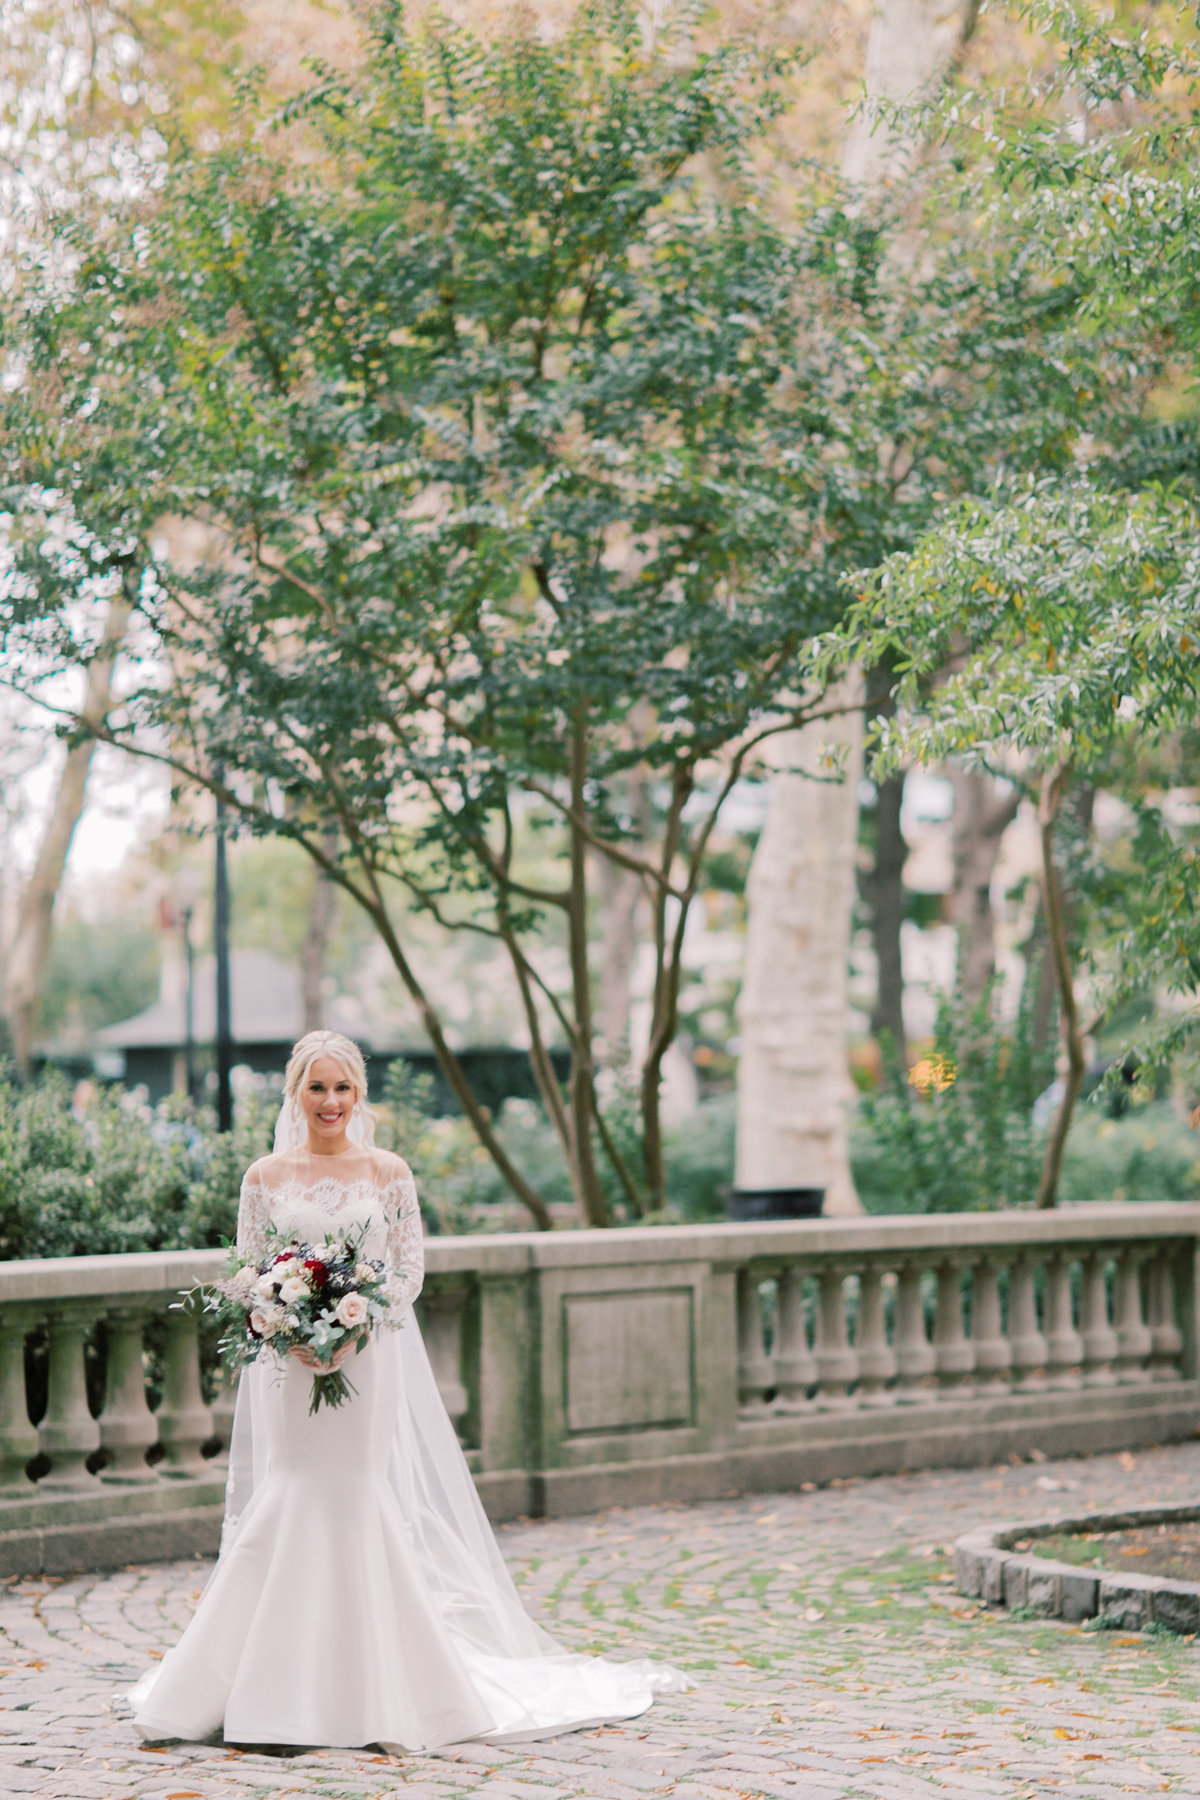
(793, 1082)
(30, 947)
(1056, 930)
(621, 893)
(883, 890)
(315, 948)
(981, 817)
(581, 1081)
(910, 44)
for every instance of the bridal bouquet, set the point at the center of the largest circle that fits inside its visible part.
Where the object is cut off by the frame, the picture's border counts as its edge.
(319, 1296)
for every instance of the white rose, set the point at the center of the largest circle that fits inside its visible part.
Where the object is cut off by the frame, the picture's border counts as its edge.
(244, 1280)
(294, 1288)
(351, 1311)
(364, 1272)
(266, 1320)
(265, 1286)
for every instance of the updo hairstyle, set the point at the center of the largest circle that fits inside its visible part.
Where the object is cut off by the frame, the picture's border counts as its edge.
(342, 1049)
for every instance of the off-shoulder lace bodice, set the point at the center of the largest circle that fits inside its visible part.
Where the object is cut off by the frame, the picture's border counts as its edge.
(307, 1196)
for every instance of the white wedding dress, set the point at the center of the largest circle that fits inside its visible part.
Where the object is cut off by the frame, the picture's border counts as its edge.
(359, 1597)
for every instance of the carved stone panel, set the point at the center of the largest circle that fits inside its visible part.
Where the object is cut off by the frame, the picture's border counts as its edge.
(630, 1360)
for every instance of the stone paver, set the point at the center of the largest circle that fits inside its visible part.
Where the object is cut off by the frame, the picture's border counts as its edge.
(831, 1657)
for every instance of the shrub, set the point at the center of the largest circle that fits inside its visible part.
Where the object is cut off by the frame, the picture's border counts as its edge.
(1146, 1154)
(956, 1133)
(112, 1175)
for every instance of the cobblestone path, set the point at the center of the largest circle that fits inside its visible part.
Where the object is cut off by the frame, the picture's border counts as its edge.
(830, 1655)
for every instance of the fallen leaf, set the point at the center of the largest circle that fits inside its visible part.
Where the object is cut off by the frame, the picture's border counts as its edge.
(1136, 1550)
(1060, 1731)
(1127, 1461)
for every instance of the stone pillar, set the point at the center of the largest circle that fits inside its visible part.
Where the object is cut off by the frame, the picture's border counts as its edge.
(68, 1434)
(1064, 1345)
(755, 1375)
(915, 1361)
(18, 1437)
(795, 1365)
(954, 1353)
(876, 1359)
(1099, 1338)
(1024, 1332)
(1133, 1334)
(993, 1352)
(1166, 1339)
(184, 1422)
(837, 1365)
(127, 1426)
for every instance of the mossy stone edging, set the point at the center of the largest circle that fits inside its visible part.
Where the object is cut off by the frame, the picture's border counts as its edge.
(986, 1567)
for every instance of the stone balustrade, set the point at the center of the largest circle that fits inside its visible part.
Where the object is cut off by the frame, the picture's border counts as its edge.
(584, 1369)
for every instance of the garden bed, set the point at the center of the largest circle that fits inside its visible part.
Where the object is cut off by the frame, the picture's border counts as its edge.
(1128, 1570)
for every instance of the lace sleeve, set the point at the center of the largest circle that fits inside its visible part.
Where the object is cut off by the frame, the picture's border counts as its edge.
(253, 1215)
(406, 1244)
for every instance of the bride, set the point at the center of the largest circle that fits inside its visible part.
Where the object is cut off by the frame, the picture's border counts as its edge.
(359, 1596)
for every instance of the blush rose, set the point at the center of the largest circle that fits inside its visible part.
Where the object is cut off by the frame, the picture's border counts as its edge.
(351, 1310)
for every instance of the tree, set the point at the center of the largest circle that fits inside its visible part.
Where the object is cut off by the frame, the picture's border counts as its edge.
(523, 462)
(487, 413)
(1067, 620)
(794, 1084)
(1060, 615)
(28, 952)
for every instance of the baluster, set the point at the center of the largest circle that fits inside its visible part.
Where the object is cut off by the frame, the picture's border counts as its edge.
(1166, 1339)
(127, 1426)
(184, 1422)
(837, 1365)
(1024, 1334)
(876, 1359)
(954, 1353)
(1099, 1338)
(224, 1403)
(68, 1434)
(795, 1365)
(1064, 1345)
(755, 1375)
(993, 1352)
(1133, 1334)
(18, 1436)
(441, 1327)
(915, 1360)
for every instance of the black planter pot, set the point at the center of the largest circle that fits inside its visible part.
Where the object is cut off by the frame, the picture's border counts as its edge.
(749, 1204)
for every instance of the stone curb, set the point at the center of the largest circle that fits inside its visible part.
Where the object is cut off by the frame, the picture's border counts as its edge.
(986, 1567)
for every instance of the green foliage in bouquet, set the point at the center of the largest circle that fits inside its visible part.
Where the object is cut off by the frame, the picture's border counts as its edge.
(311, 1297)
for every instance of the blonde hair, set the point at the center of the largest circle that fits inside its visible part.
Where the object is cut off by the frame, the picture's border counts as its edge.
(343, 1050)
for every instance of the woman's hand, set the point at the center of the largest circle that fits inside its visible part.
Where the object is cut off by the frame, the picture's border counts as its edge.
(304, 1355)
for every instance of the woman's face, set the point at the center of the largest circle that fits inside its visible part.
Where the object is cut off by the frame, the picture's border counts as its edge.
(327, 1100)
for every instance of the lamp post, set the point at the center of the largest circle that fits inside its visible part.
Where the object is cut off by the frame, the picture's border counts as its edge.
(224, 1041)
(187, 892)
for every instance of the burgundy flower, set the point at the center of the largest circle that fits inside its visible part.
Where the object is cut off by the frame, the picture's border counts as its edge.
(318, 1269)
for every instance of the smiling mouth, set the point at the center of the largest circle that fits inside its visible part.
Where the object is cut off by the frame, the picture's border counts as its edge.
(330, 1118)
